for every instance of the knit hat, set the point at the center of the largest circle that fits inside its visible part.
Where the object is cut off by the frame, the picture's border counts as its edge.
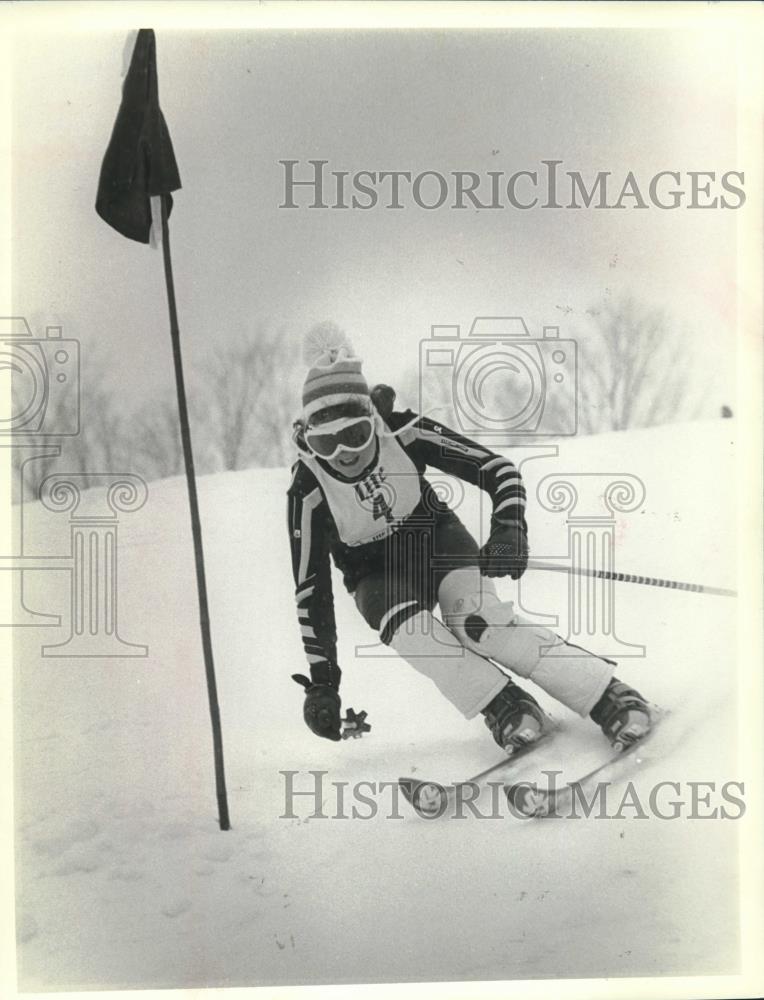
(334, 376)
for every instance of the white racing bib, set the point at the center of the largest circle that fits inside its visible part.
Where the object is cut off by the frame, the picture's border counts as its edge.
(367, 510)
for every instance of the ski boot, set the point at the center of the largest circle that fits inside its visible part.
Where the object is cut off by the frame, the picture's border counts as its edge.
(514, 717)
(622, 714)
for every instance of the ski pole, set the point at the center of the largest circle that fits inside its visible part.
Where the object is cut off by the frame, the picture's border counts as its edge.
(648, 581)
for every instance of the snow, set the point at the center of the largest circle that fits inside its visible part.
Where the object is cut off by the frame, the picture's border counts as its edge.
(124, 879)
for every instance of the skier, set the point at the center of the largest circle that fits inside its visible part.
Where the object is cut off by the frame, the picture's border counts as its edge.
(358, 493)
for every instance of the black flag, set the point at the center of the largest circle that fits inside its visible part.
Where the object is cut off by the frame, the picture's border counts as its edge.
(139, 161)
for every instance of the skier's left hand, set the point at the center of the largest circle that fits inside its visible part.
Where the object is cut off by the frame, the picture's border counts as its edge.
(506, 551)
(321, 710)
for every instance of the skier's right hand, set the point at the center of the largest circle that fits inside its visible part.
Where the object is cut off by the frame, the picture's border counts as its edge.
(506, 551)
(321, 710)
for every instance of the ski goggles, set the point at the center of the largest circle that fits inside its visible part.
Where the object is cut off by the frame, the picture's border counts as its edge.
(346, 434)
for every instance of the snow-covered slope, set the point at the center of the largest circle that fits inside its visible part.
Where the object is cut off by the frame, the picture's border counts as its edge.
(125, 880)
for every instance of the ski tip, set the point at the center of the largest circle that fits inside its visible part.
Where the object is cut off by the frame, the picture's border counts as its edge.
(406, 785)
(427, 798)
(527, 801)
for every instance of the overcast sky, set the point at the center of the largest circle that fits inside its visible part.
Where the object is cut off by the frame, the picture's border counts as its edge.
(238, 102)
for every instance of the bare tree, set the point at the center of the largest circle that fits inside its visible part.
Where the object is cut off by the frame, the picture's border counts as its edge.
(635, 369)
(156, 452)
(249, 409)
(107, 425)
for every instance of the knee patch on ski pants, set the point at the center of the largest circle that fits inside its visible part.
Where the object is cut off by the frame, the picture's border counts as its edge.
(472, 610)
(467, 680)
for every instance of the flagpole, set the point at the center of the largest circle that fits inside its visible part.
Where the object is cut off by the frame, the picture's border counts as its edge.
(196, 528)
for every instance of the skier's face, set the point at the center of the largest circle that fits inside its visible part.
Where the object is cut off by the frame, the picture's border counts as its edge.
(351, 463)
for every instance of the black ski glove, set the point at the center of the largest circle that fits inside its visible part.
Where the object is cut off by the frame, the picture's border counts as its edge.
(321, 710)
(506, 551)
(383, 397)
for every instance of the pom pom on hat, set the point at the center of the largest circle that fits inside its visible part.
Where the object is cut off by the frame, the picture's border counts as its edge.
(323, 344)
(334, 376)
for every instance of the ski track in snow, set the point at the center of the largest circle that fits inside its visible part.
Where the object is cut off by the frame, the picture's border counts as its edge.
(124, 880)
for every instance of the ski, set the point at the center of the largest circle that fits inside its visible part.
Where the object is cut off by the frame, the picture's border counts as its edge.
(431, 799)
(532, 802)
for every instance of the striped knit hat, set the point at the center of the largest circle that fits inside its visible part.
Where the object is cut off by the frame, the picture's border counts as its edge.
(334, 376)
